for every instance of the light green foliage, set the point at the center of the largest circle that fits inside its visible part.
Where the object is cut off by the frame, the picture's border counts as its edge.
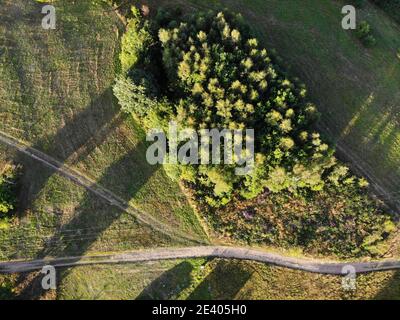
(135, 41)
(219, 76)
(221, 185)
(228, 81)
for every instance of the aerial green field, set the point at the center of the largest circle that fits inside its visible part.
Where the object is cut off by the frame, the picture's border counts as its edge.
(214, 279)
(356, 89)
(55, 96)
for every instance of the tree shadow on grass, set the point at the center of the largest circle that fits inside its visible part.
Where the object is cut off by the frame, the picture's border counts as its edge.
(380, 143)
(79, 135)
(392, 289)
(76, 140)
(73, 142)
(169, 284)
(92, 219)
(223, 283)
(94, 215)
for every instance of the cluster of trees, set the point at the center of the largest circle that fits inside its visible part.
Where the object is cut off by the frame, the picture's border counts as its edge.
(7, 195)
(215, 75)
(206, 71)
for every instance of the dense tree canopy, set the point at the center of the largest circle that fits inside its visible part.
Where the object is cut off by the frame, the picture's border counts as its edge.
(216, 75)
(207, 71)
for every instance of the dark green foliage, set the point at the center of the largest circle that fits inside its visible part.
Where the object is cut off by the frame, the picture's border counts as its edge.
(8, 196)
(359, 3)
(364, 33)
(6, 289)
(168, 17)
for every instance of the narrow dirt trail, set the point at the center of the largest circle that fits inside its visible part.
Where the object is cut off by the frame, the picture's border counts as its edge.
(308, 265)
(98, 190)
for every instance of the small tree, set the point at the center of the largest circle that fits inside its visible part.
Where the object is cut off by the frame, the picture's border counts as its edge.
(364, 33)
(8, 197)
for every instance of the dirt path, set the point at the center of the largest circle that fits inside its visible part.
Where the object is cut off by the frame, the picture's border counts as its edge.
(315, 266)
(98, 190)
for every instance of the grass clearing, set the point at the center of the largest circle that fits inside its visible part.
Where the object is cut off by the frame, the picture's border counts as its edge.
(217, 279)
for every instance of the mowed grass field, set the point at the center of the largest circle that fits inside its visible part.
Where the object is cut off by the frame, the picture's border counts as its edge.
(56, 96)
(356, 89)
(199, 279)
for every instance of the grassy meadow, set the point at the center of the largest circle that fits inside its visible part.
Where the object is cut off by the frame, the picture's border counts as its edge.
(219, 279)
(55, 94)
(200, 279)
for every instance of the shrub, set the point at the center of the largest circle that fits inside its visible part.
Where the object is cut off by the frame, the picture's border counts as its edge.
(364, 33)
(7, 289)
(135, 42)
(344, 222)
